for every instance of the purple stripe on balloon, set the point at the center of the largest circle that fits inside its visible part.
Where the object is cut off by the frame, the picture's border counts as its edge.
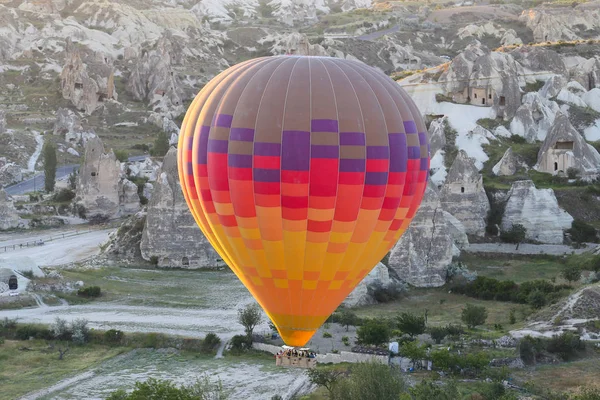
(267, 149)
(410, 127)
(422, 138)
(190, 168)
(378, 152)
(295, 151)
(190, 142)
(203, 146)
(324, 151)
(398, 153)
(239, 160)
(324, 125)
(376, 178)
(414, 152)
(223, 120)
(266, 175)
(352, 165)
(352, 138)
(242, 134)
(217, 146)
(424, 164)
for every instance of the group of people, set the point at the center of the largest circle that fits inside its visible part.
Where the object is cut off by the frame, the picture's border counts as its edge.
(296, 353)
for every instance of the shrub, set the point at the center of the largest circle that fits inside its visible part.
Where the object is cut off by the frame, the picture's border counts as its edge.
(413, 351)
(240, 343)
(348, 318)
(346, 340)
(473, 315)
(371, 381)
(154, 260)
(373, 332)
(411, 324)
(454, 330)
(427, 390)
(89, 292)
(249, 317)
(210, 343)
(567, 345)
(582, 232)
(385, 294)
(26, 332)
(79, 331)
(122, 155)
(327, 335)
(571, 273)
(63, 196)
(326, 378)
(161, 389)
(536, 299)
(512, 318)
(515, 235)
(438, 333)
(572, 173)
(60, 329)
(28, 274)
(113, 337)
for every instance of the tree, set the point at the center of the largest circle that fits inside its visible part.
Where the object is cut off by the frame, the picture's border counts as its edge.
(572, 273)
(438, 333)
(515, 235)
(371, 381)
(122, 155)
(473, 315)
(249, 317)
(73, 179)
(373, 332)
(348, 318)
(411, 324)
(165, 390)
(50, 164)
(427, 390)
(582, 232)
(324, 377)
(161, 145)
(536, 299)
(413, 351)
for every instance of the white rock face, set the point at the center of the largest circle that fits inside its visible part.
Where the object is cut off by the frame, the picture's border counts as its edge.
(437, 135)
(98, 185)
(2, 121)
(572, 94)
(463, 195)
(507, 165)
(129, 200)
(555, 24)
(587, 73)
(147, 168)
(565, 148)
(73, 152)
(553, 86)
(534, 118)
(508, 37)
(9, 218)
(424, 251)
(538, 211)
(360, 295)
(9, 173)
(592, 99)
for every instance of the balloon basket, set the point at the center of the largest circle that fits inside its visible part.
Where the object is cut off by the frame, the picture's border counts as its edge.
(291, 357)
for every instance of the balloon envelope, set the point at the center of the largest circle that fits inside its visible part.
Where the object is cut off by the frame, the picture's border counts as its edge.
(302, 172)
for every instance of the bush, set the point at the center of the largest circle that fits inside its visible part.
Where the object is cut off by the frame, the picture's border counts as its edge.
(113, 337)
(79, 331)
(370, 381)
(373, 332)
(240, 343)
(582, 232)
(348, 318)
(536, 299)
(571, 273)
(154, 260)
(427, 390)
(89, 292)
(515, 235)
(411, 324)
(346, 340)
(566, 345)
(473, 315)
(327, 335)
(438, 333)
(60, 329)
(385, 294)
(572, 173)
(413, 351)
(26, 332)
(161, 389)
(210, 343)
(63, 196)
(122, 155)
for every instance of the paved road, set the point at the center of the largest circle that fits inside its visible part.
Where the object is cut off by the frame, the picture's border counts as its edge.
(378, 34)
(37, 182)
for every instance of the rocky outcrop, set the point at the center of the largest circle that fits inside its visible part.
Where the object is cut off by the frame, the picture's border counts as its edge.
(539, 59)
(147, 168)
(538, 211)
(535, 117)
(153, 80)
(553, 86)
(129, 200)
(507, 165)
(592, 99)
(565, 148)
(9, 218)
(425, 250)
(437, 135)
(361, 296)
(554, 24)
(582, 305)
(9, 173)
(587, 73)
(2, 121)
(124, 243)
(463, 195)
(507, 37)
(171, 236)
(98, 182)
(86, 85)
(571, 94)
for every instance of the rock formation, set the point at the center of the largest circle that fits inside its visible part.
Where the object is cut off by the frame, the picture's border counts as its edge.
(535, 117)
(2, 121)
(571, 94)
(9, 218)
(129, 200)
(86, 85)
(171, 234)
(554, 24)
(565, 148)
(587, 73)
(154, 80)
(540, 59)
(538, 211)
(98, 182)
(124, 243)
(437, 135)
(553, 86)
(507, 165)
(507, 37)
(592, 99)
(425, 250)
(360, 296)
(9, 173)
(463, 195)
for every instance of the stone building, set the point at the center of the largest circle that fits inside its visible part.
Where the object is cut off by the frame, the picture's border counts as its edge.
(565, 148)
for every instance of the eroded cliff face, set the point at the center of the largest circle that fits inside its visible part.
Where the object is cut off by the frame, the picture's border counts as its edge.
(9, 218)
(538, 211)
(171, 237)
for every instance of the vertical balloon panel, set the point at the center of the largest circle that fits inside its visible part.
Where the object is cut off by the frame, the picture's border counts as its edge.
(303, 172)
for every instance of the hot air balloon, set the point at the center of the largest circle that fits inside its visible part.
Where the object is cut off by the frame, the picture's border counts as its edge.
(302, 172)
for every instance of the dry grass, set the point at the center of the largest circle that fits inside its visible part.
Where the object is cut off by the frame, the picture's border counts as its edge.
(566, 377)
